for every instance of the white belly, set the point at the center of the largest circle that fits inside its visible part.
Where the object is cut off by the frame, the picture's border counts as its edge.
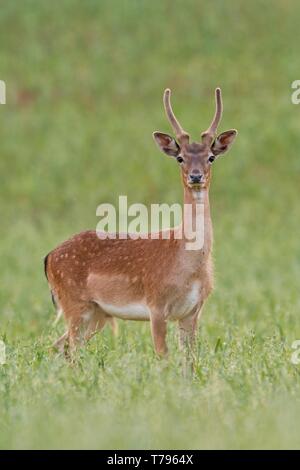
(175, 309)
(133, 311)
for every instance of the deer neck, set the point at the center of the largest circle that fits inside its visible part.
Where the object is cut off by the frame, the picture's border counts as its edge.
(197, 218)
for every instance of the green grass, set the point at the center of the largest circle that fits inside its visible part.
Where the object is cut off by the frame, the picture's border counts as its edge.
(84, 93)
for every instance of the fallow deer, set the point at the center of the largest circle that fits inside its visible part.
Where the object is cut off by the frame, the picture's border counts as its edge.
(95, 280)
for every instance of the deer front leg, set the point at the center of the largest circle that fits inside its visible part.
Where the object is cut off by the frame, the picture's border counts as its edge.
(188, 330)
(159, 333)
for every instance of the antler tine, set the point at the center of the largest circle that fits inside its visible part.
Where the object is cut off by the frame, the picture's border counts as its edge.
(182, 136)
(209, 134)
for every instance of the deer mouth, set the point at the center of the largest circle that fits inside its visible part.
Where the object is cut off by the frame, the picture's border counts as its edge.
(197, 186)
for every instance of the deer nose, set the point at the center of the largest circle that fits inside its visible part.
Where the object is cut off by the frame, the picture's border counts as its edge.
(195, 179)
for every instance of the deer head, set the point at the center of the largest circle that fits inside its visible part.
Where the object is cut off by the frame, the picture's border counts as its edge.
(196, 158)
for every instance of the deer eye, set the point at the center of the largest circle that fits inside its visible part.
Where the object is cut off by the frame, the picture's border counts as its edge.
(179, 159)
(211, 159)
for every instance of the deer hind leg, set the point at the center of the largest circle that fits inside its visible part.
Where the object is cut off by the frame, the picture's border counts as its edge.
(61, 342)
(114, 325)
(96, 321)
(84, 323)
(84, 320)
(78, 316)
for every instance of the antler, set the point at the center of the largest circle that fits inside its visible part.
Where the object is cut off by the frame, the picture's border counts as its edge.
(182, 136)
(209, 135)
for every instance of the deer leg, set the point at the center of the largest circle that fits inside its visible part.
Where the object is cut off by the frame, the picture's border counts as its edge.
(60, 343)
(96, 323)
(78, 316)
(114, 325)
(84, 321)
(188, 330)
(159, 333)
(75, 333)
(187, 334)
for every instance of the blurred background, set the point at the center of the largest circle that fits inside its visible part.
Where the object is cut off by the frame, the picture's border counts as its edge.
(84, 84)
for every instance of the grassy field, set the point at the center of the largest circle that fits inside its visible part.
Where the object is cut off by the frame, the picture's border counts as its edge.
(84, 93)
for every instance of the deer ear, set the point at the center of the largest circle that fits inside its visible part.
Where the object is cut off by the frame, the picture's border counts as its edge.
(167, 144)
(223, 142)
